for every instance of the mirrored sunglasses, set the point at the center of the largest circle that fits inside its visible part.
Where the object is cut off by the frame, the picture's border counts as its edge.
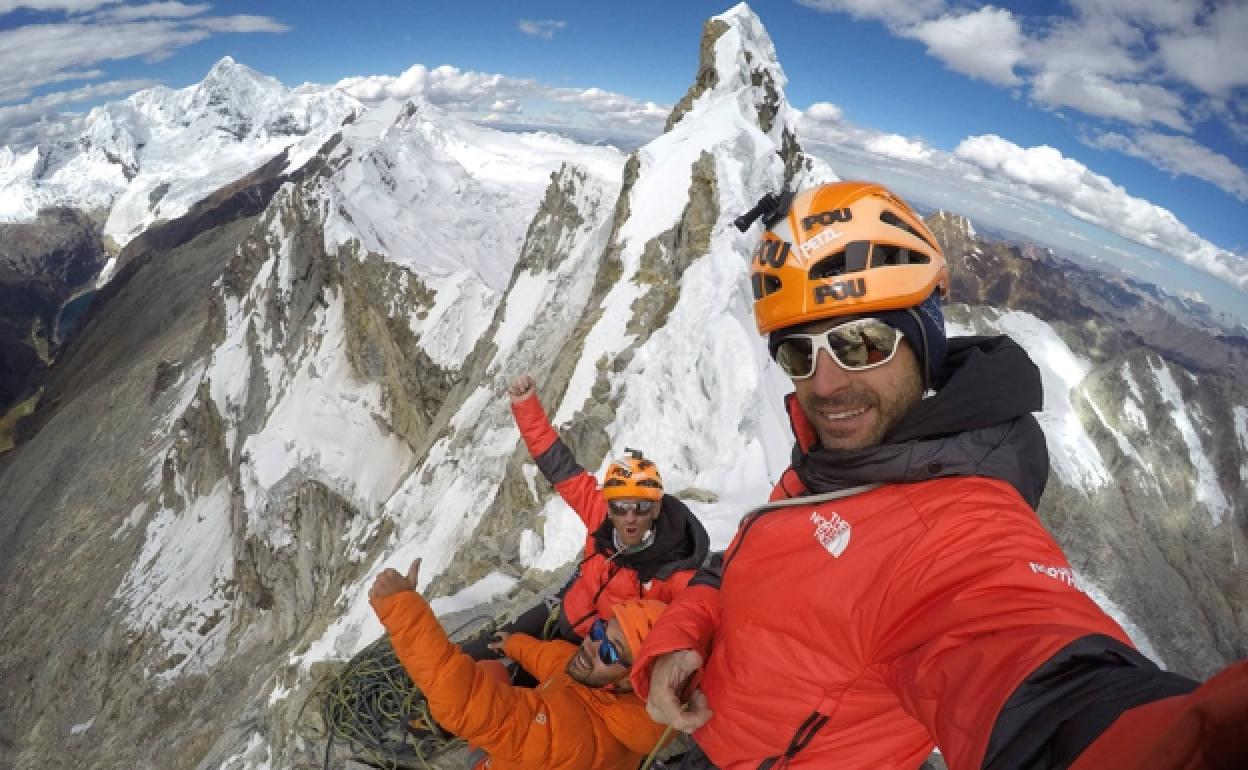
(625, 507)
(608, 653)
(855, 346)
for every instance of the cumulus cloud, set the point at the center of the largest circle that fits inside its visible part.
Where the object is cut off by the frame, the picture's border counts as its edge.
(824, 112)
(1045, 174)
(899, 148)
(545, 29)
(1212, 55)
(985, 44)
(488, 97)
(1180, 155)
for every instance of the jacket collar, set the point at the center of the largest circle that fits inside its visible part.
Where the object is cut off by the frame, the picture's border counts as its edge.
(978, 423)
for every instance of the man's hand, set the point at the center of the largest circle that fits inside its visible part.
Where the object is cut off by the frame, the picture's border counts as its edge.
(521, 388)
(500, 638)
(671, 675)
(391, 582)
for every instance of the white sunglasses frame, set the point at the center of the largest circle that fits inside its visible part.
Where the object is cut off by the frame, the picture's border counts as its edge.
(820, 342)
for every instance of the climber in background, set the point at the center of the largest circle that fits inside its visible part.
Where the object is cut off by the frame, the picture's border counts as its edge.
(640, 542)
(583, 715)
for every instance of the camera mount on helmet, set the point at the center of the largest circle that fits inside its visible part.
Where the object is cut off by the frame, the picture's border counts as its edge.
(772, 207)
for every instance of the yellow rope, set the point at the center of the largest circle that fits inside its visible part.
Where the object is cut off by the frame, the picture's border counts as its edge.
(654, 752)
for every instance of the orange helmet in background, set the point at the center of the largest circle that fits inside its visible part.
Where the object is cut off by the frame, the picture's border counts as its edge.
(846, 248)
(632, 476)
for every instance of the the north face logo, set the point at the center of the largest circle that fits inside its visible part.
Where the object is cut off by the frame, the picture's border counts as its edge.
(832, 534)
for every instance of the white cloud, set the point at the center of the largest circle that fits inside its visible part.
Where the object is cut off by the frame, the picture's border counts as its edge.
(1140, 104)
(1212, 56)
(1146, 63)
(824, 112)
(900, 148)
(985, 44)
(167, 10)
(40, 121)
(37, 55)
(240, 23)
(545, 29)
(1181, 155)
(482, 96)
(1047, 175)
(68, 6)
(894, 13)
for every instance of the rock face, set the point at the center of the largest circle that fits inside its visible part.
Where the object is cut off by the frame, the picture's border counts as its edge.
(302, 380)
(43, 264)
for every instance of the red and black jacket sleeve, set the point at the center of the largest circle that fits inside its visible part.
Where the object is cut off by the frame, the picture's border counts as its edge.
(573, 483)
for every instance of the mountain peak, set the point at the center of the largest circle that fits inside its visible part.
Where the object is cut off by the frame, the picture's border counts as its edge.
(737, 52)
(949, 226)
(229, 82)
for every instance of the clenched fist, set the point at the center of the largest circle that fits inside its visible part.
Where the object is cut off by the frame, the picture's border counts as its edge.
(521, 387)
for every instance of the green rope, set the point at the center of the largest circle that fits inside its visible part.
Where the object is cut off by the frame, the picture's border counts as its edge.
(373, 705)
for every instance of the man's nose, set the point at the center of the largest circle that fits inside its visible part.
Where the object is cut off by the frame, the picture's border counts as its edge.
(829, 376)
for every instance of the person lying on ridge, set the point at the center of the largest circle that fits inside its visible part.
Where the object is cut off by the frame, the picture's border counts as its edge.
(583, 715)
(899, 591)
(641, 543)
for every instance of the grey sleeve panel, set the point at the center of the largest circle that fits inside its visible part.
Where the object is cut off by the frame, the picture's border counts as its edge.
(557, 463)
(712, 574)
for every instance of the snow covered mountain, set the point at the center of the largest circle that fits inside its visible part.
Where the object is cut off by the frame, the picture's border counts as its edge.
(149, 157)
(271, 402)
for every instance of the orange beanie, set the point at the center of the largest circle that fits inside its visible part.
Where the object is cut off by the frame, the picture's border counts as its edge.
(636, 617)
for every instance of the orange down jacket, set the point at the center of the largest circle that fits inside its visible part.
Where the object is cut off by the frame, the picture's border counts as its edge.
(906, 595)
(605, 576)
(561, 725)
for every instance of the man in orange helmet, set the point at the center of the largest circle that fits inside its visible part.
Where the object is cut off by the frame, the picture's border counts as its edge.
(899, 592)
(583, 715)
(640, 542)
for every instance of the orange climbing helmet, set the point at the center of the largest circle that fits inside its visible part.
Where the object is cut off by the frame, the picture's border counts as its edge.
(846, 248)
(632, 476)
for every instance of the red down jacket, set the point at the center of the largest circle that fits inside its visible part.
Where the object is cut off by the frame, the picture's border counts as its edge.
(606, 576)
(906, 595)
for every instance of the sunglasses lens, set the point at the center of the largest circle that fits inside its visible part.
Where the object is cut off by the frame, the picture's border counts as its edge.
(796, 356)
(606, 650)
(625, 507)
(862, 344)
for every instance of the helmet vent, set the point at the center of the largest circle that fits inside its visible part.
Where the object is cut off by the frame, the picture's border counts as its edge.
(764, 284)
(851, 260)
(889, 218)
(887, 254)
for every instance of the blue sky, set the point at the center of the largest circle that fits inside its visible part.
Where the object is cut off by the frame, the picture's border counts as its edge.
(1142, 101)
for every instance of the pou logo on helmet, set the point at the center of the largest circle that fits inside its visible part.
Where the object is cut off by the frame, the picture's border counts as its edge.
(633, 476)
(839, 249)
